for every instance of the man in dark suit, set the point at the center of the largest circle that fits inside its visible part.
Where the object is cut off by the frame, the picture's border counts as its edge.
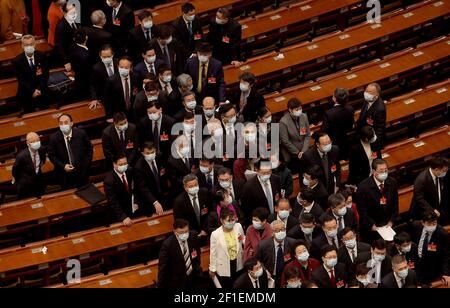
(193, 204)
(119, 21)
(141, 35)
(101, 72)
(361, 156)
(179, 258)
(373, 113)
(351, 249)
(306, 230)
(305, 203)
(64, 34)
(433, 249)
(180, 163)
(187, 30)
(70, 151)
(120, 137)
(250, 101)
(151, 180)
(207, 173)
(332, 274)
(148, 66)
(338, 121)
(344, 216)
(225, 35)
(170, 98)
(377, 200)
(157, 127)
(120, 90)
(275, 252)
(207, 74)
(254, 277)
(311, 179)
(283, 212)
(119, 190)
(325, 155)
(27, 172)
(81, 61)
(401, 276)
(97, 36)
(431, 191)
(226, 181)
(329, 236)
(31, 70)
(377, 259)
(189, 106)
(404, 246)
(168, 49)
(262, 190)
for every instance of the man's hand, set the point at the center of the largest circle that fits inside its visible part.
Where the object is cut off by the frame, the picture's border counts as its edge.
(202, 233)
(390, 224)
(374, 228)
(36, 93)
(437, 213)
(236, 64)
(68, 67)
(127, 222)
(95, 104)
(158, 208)
(68, 168)
(300, 154)
(109, 120)
(212, 274)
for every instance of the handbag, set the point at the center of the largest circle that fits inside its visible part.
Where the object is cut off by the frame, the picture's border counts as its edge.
(59, 82)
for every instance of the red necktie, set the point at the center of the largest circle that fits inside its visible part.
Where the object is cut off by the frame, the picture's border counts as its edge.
(125, 183)
(332, 279)
(37, 18)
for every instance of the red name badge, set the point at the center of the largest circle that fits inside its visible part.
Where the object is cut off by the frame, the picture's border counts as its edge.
(411, 265)
(164, 137)
(383, 200)
(287, 258)
(193, 168)
(369, 121)
(212, 80)
(374, 155)
(240, 237)
(225, 158)
(303, 131)
(130, 145)
(205, 211)
(162, 171)
(38, 71)
(277, 197)
(197, 36)
(194, 254)
(432, 247)
(268, 146)
(116, 22)
(226, 39)
(333, 168)
(340, 284)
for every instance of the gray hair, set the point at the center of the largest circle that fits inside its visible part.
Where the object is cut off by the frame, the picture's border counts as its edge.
(377, 87)
(396, 260)
(28, 37)
(182, 80)
(98, 17)
(188, 178)
(275, 223)
(335, 199)
(188, 93)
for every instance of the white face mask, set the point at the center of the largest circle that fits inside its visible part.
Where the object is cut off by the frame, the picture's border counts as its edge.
(225, 184)
(193, 190)
(188, 128)
(122, 169)
(185, 151)
(107, 60)
(297, 113)
(208, 112)
(150, 157)
(154, 116)
(204, 169)
(369, 97)
(244, 87)
(124, 72)
(150, 60)
(148, 25)
(72, 17)
(29, 49)
(189, 17)
(191, 105)
(218, 133)
(250, 137)
(220, 21)
(167, 79)
(203, 59)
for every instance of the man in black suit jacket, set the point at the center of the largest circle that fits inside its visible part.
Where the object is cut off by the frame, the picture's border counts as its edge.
(97, 36)
(250, 101)
(168, 49)
(70, 151)
(120, 137)
(311, 179)
(361, 156)
(305, 203)
(190, 105)
(254, 277)
(179, 258)
(151, 180)
(431, 191)
(169, 97)
(226, 181)
(140, 36)
(433, 249)
(405, 247)
(401, 276)
(349, 252)
(27, 172)
(119, 21)
(64, 34)
(180, 163)
(331, 274)
(120, 189)
(193, 205)
(157, 127)
(81, 62)
(209, 72)
(283, 212)
(373, 113)
(101, 72)
(306, 230)
(120, 90)
(338, 121)
(325, 155)
(225, 36)
(147, 64)
(328, 236)
(377, 259)
(377, 200)
(263, 190)
(31, 70)
(269, 254)
(344, 216)
(207, 173)
(187, 30)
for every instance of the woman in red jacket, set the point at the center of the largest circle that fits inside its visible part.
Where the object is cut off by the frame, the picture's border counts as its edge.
(258, 231)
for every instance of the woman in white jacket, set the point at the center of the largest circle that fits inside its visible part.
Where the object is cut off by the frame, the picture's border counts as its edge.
(226, 256)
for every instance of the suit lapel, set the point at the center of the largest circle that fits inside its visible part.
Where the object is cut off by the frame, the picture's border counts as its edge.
(222, 241)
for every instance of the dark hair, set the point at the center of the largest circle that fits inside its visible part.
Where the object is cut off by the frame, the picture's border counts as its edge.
(186, 94)
(326, 249)
(307, 218)
(429, 216)
(119, 116)
(219, 196)
(225, 108)
(144, 14)
(341, 96)
(225, 12)
(119, 156)
(291, 272)
(248, 77)
(106, 47)
(345, 231)
(366, 133)
(148, 145)
(250, 263)
(156, 104)
(180, 223)
(67, 115)
(162, 68)
(377, 162)
(315, 172)
(204, 47)
(163, 32)
(401, 238)
(335, 199)
(151, 86)
(147, 48)
(261, 212)
(327, 217)
(353, 283)
(362, 269)
(188, 115)
(262, 111)
(300, 243)
(207, 160)
(126, 58)
(80, 36)
(307, 194)
(225, 213)
(317, 135)
(224, 170)
(294, 103)
(65, 7)
(379, 244)
(346, 192)
(263, 161)
(438, 162)
(187, 7)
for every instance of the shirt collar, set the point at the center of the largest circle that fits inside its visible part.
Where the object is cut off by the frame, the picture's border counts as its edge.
(276, 244)
(118, 8)
(377, 182)
(82, 46)
(432, 175)
(120, 174)
(69, 135)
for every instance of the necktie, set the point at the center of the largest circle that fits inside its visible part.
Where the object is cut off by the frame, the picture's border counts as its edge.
(167, 88)
(69, 151)
(187, 163)
(156, 135)
(209, 180)
(402, 282)
(382, 189)
(147, 35)
(353, 255)
(196, 209)
(203, 84)
(109, 70)
(256, 284)
(152, 69)
(438, 187)
(114, 14)
(127, 94)
(325, 166)
(35, 157)
(242, 102)
(280, 261)
(190, 28)
(340, 224)
(155, 175)
(32, 64)
(309, 238)
(191, 144)
(125, 183)
(122, 141)
(425, 243)
(74, 26)
(336, 242)
(268, 196)
(187, 259)
(166, 55)
(332, 279)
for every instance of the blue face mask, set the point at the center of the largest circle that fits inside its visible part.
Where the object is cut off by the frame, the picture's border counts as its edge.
(183, 236)
(122, 169)
(403, 273)
(283, 214)
(327, 148)
(382, 176)
(65, 129)
(229, 225)
(294, 285)
(306, 182)
(280, 236)
(35, 145)
(331, 262)
(257, 225)
(442, 175)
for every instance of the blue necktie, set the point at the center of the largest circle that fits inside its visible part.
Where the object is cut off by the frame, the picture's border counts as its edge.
(280, 261)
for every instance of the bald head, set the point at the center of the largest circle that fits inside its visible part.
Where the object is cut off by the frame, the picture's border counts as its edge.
(33, 141)
(208, 102)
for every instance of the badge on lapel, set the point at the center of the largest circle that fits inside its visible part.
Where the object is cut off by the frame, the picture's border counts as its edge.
(197, 36)
(194, 254)
(369, 121)
(226, 40)
(116, 22)
(212, 80)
